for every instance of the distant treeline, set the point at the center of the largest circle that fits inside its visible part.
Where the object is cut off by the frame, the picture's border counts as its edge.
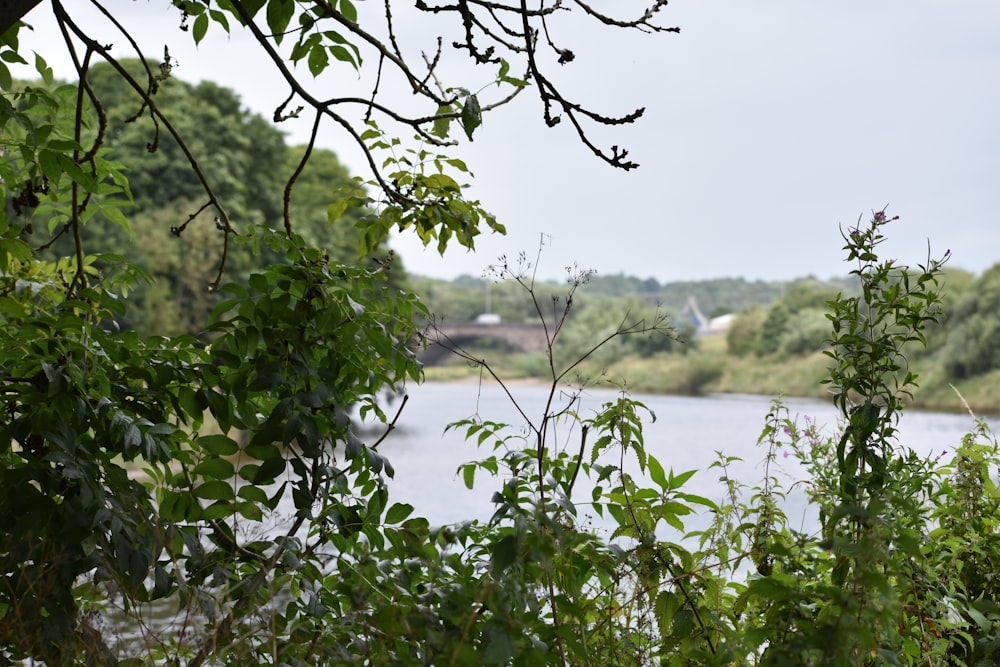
(248, 162)
(773, 321)
(465, 297)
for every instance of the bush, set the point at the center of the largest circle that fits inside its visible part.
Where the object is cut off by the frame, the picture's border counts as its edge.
(768, 340)
(741, 338)
(806, 331)
(973, 343)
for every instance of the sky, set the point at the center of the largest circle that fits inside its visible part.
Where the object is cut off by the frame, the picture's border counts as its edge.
(769, 126)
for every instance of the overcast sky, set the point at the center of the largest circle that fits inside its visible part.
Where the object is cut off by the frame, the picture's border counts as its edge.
(767, 125)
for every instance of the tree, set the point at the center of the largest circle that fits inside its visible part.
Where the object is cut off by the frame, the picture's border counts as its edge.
(214, 123)
(130, 464)
(772, 329)
(741, 339)
(973, 343)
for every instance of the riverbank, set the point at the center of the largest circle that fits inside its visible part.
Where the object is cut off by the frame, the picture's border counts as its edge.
(710, 370)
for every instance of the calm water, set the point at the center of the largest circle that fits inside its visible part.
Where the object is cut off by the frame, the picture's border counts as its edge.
(685, 435)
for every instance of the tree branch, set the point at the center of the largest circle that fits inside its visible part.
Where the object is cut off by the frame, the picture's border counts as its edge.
(12, 11)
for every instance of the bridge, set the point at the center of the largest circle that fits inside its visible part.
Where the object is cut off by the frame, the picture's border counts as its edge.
(446, 337)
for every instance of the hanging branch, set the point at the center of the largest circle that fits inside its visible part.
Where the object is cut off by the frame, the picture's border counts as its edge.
(223, 222)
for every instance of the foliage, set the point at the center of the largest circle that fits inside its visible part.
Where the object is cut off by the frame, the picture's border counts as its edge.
(597, 319)
(879, 583)
(805, 332)
(772, 330)
(972, 346)
(143, 473)
(139, 473)
(744, 330)
(169, 234)
(462, 298)
(810, 293)
(856, 605)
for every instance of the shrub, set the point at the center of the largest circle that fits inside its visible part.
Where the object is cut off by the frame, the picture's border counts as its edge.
(742, 335)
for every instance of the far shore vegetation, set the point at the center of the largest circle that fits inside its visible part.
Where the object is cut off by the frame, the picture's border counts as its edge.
(773, 345)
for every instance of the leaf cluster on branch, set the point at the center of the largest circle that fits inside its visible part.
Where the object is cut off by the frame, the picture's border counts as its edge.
(412, 180)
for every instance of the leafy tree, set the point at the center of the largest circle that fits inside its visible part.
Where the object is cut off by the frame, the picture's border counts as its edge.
(973, 343)
(601, 318)
(214, 123)
(808, 293)
(741, 338)
(772, 329)
(806, 331)
(140, 469)
(956, 283)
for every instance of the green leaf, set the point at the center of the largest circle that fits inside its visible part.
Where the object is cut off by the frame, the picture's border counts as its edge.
(43, 70)
(220, 18)
(220, 445)
(656, 473)
(200, 28)
(677, 481)
(253, 6)
(218, 510)
(335, 210)
(215, 490)
(441, 125)
(48, 162)
(318, 60)
(263, 452)
(279, 14)
(471, 115)
(349, 11)
(499, 647)
(218, 468)
(502, 76)
(116, 216)
(504, 553)
(253, 493)
(250, 511)
(269, 470)
(398, 512)
(343, 55)
(469, 475)
(248, 471)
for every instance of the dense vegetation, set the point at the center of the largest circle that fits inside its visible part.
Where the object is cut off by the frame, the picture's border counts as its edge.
(173, 499)
(166, 234)
(773, 342)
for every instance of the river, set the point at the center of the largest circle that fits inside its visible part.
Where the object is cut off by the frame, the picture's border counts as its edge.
(686, 434)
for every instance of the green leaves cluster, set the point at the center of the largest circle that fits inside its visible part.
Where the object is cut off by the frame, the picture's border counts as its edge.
(87, 407)
(225, 479)
(896, 573)
(870, 375)
(424, 198)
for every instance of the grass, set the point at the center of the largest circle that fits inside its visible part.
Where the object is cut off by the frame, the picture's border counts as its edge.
(707, 369)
